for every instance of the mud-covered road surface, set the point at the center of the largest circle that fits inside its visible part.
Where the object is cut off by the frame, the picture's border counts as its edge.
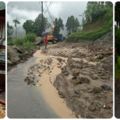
(25, 101)
(81, 74)
(74, 79)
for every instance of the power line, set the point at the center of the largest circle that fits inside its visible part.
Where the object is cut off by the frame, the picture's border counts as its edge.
(48, 11)
(50, 3)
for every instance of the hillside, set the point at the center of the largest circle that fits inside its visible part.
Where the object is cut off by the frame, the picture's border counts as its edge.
(94, 29)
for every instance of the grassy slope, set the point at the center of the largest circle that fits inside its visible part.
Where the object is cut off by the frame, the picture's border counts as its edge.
(93, 31)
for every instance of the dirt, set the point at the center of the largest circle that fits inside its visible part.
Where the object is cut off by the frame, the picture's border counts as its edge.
(18, 55)
(2, 111)
(81, 74)
(43, 74)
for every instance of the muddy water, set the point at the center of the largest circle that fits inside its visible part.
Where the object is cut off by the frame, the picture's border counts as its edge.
(46, 85)
(25, 101)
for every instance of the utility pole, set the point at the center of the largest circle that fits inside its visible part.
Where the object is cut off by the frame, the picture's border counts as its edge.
(42, 16)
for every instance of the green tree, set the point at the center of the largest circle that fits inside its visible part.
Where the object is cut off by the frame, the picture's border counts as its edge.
(72, 24)
(58, 23)
(40, 24)
(9, 29)
(61, 25)
(96, 10)
(117, 28)
(117, 14)
(16, 22)
(28, 26)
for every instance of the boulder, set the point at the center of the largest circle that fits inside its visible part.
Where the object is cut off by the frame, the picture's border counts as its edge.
(81, 80)
(38, 40)
(13, 55)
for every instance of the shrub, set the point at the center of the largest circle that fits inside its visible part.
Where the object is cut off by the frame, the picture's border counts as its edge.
(30, 37)
(26, 42)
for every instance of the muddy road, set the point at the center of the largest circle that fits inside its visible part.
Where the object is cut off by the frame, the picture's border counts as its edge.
(74, 80)
(25, 101)
(81, 74)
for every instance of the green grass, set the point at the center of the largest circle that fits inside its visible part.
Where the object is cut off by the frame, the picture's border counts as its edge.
(92, 35)
(25, 42)
(93, 31)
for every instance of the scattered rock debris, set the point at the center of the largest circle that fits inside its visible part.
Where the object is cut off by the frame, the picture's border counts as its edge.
(85, 78)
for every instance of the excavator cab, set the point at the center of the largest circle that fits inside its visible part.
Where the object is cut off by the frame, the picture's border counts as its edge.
(50, 37)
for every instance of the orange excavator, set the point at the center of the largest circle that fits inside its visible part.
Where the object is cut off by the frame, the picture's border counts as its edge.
(50, 38)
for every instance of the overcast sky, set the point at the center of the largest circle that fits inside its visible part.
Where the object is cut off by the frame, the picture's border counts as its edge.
(30, 10)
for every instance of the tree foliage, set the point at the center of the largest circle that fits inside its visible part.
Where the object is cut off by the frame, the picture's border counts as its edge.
(97, 21)
(38, 26)
(16, 22)
(72, 24)
(9, 29)
(96, 10)
(58, 23)
(28, 26)
(117, 14)
(117, 29)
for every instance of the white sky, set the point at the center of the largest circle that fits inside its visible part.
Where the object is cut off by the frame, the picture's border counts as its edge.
(30, 10)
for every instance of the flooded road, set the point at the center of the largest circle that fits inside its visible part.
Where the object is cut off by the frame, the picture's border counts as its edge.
(25, 101)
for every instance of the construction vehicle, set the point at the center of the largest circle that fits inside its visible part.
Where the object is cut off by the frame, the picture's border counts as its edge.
(51, 38)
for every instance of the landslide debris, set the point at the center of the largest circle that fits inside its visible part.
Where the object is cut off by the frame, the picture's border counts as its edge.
(86, 80)
(85, 77)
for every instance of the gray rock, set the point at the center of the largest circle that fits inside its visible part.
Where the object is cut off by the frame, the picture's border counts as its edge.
(82, 79)
(13, 55)
(106, 87)
(38, 40)
(96, 90)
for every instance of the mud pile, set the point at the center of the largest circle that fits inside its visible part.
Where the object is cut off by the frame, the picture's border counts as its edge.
(86, 80)
(49, 66)
(81, 73)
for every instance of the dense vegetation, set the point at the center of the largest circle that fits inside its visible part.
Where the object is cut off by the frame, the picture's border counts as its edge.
(37, 28)
(96, 23)
(32, 29)
(27, 42)
(117, 41)
(72, 24)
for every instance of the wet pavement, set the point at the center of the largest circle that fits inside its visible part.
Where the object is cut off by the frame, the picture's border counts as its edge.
(25, 101)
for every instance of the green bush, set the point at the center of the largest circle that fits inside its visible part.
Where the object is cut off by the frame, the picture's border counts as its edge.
(28, 45)
(30, 37)
(26, 42)
(92, 35)
(18, 42)
(102, 26)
